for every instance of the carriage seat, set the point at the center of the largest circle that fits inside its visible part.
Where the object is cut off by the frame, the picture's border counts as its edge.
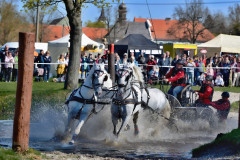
(184, 96)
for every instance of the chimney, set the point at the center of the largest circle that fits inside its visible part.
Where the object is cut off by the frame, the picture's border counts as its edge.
(167, 19)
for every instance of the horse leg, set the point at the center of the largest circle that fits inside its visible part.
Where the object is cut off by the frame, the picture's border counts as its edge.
(135, 118)
(125, 121)
(115, 122)
(76, 131)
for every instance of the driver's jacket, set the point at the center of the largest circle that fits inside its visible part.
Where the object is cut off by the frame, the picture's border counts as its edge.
(222, 106)
(177, 77)
(205, 94)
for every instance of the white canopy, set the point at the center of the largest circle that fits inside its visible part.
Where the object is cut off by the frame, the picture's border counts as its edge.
(226, 43)
(60, 46)
(64, 41)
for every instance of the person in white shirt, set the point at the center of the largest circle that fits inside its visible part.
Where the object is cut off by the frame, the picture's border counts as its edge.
(9, 60)
(219, 80)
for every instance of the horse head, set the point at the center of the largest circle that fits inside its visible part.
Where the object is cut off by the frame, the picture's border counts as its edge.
(100, 79)
(124, 76)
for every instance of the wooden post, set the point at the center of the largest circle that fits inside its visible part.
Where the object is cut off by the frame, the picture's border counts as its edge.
(111, 63)
(24, 92)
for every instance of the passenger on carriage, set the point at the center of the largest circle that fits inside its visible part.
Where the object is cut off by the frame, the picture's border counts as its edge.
(222, 106)
(177, 76)
(206, 92)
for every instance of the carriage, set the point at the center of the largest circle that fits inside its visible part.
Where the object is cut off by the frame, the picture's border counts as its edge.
(184, 107)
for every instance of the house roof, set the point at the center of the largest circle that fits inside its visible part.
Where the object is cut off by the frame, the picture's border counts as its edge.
(122, 30)
(53, 32)
(163, 29)
(56, 21)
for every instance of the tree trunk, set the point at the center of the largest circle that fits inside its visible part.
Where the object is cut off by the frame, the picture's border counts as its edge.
(75, 49)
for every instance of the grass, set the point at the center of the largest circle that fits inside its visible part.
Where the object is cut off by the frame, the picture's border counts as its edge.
(53, 94)
(9, 154)
(232, 139)
(42, 92)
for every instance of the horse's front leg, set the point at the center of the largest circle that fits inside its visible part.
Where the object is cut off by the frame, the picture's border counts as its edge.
(83, 117)
(125, 120)
(135, 119)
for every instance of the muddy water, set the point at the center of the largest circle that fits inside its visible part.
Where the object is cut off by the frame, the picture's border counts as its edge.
(154, 140)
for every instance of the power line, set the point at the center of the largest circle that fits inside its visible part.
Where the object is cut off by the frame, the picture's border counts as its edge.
(174, 4)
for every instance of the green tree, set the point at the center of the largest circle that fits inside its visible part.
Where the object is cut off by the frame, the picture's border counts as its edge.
(11, 22)
(74, 12)
(97, 24)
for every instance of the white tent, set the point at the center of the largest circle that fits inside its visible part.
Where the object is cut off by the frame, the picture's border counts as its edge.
(226, 43)
(61, 45)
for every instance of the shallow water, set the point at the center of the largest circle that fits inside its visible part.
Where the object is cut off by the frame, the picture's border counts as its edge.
(154, 141)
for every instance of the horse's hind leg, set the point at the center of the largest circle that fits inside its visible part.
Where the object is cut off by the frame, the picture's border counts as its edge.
(135, 119)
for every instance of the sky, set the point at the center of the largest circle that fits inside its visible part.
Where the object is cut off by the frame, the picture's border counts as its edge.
(159, 9)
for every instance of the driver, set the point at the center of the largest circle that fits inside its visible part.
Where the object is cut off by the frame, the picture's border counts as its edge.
(223, 106)
(177, 76)
(206, 92)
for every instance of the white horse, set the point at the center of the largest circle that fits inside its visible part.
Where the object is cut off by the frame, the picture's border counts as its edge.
(82, 101)
(132, 97)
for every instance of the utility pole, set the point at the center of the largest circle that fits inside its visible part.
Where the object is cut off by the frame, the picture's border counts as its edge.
(37, 23)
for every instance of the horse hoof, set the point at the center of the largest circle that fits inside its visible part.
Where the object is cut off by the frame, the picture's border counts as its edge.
(127, 128)
(71, 142)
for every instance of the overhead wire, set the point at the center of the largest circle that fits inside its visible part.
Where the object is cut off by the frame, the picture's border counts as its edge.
(173, 4)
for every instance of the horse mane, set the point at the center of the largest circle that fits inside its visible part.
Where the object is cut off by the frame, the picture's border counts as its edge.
(137, 73)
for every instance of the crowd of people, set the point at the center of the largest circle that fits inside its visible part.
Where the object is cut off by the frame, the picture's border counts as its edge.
(154, 68)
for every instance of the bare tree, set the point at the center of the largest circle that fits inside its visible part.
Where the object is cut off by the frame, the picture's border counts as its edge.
(190, 20)
(11, 22)
(234, 17)
(219, 22)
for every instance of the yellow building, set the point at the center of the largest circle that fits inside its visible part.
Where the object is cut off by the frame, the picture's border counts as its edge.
(180, 49)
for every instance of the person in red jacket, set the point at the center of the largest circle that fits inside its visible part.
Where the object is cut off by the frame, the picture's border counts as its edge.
(177, 77)
(206, 92)
(223, 106)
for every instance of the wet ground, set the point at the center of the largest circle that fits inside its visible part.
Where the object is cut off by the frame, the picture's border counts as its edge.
(152, 142)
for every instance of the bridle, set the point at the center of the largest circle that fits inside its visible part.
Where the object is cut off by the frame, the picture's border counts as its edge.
(98, 74)
(121, 73)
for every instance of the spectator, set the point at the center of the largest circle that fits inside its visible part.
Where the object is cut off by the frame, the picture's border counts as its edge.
(238, 73)
(150, 63)
(47, 67)
(118, 60)
(196, 71)
(90, 61)
(141, 59)
(61, 66)
(174, 61)
(9, 60)
(164, 62)
(219, 81)
(209, 69)
(2, 60)
(84, 66)
(201, 66)
(15, 67)
(190, 71)
(125, 58)
(66, 62)
(99, 59)
(226, 71)
(40, 59)
(234, 71)
(153, 75)
(200, 79)
(132, 60)
(131, 55)
(168, 57)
